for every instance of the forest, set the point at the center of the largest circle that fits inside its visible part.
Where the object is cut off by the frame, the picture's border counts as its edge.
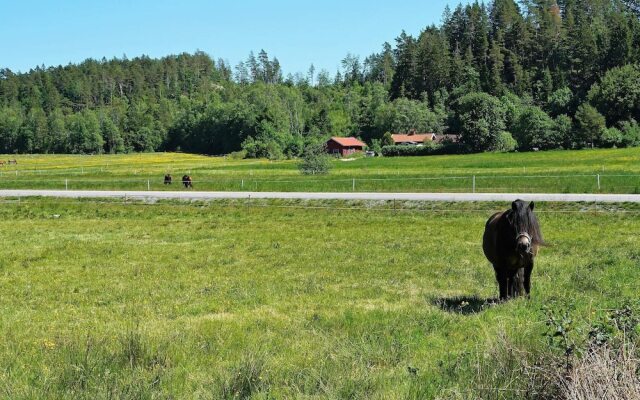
(504, 75)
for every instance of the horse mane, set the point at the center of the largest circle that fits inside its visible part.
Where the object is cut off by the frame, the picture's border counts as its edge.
(528, 222)
(534, 229)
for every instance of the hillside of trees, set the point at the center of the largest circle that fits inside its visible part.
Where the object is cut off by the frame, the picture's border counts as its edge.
(534, 74)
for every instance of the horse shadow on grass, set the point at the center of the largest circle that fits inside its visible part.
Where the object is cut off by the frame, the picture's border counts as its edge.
(464, 305)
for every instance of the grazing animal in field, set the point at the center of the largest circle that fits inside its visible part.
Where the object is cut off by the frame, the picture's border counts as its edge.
(167, 179)
(187, 181)
(2, 163)
(511, 241)
(14, 161)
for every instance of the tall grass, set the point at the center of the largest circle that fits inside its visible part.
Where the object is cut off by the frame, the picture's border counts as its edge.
(605, 373)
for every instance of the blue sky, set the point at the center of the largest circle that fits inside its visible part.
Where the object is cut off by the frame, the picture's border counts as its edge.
(297, 32)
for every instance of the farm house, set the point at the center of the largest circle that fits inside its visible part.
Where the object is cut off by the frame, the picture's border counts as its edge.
(419, 139)
(413, 139)
(344, 146)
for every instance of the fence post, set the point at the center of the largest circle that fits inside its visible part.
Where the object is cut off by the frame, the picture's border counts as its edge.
(66, 184)
(353, 185)
(242, 184)
(598, 181)
(148, 184)
(474, 184)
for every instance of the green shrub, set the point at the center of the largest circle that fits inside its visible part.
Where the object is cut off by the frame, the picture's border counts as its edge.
(405, 151)
(238, 155)
(387, 139)
(505, 142)
(429, 149)
(479, 118)
(630, 133)
(590, 126)
(535, 129)
(612, 137)
(315, 160)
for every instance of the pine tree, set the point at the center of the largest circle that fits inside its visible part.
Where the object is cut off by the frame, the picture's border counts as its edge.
(432, 63)
(405, 55)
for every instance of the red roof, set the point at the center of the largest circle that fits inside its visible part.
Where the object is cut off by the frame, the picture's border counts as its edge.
(348, 141)
(413, 138)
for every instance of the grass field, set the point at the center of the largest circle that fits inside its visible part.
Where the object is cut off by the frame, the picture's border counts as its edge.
(618, 171)
(292, 299)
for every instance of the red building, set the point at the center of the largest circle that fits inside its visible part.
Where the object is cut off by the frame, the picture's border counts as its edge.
(344, 146)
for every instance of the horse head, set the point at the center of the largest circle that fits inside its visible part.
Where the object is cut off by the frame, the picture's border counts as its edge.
(525, 227)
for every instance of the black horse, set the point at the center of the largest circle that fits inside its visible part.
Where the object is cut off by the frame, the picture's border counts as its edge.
(168, 179)
(511, 241)
(187, 181)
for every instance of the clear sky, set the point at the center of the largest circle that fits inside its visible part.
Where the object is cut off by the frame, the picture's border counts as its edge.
(54, 32)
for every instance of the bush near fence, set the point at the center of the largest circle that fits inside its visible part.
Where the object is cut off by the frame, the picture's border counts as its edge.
(428, 149)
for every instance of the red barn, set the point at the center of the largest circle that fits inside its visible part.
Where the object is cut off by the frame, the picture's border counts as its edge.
(344, 146)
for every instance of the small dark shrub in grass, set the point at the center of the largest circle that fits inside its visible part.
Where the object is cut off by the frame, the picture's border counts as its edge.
(315, 160)
(245, 379)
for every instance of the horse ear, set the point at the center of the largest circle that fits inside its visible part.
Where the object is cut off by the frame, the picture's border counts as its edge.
(532, 205)
(514, 206)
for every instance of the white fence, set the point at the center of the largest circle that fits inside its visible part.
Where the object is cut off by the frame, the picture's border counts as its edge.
(583, 183)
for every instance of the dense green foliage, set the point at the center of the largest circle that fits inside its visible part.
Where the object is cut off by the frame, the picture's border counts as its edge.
(428, 149)
(545, 59)
(407, 151)
(480, 117)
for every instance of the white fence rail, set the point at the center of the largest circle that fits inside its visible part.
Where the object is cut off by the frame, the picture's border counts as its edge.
(466, 183)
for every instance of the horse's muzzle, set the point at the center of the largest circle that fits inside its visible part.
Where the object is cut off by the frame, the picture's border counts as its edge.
(524, 248)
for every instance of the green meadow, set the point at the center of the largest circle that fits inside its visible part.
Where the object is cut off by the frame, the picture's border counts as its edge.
(586, 171)
(309, 300)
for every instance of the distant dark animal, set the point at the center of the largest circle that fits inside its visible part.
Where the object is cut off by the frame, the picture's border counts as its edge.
(187, 181)
(511, 241)
(15, 162)
(167, 179)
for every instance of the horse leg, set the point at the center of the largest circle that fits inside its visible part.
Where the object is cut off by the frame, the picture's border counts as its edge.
(501, 277)
(511, 288)
(519, 283)
(527, 278)
(512, 284)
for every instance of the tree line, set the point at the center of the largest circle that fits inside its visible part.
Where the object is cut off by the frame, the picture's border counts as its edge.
(533, 74)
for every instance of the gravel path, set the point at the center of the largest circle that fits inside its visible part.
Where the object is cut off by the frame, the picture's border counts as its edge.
(450, 197)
